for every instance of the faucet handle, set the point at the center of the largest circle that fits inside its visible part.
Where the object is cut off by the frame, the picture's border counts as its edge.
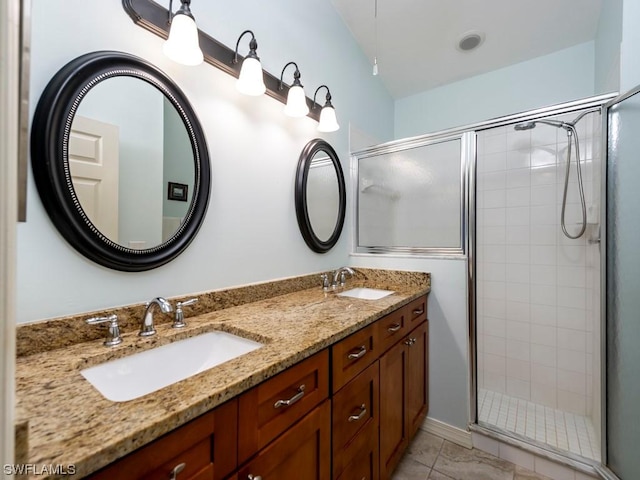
(325, 281)
(113, 334)
(178, 322)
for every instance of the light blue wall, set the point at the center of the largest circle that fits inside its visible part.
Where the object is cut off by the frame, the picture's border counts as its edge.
(178, 163)
(250, 232)
(607, 48)
(630, 48)
(448, 332)
(559, 77)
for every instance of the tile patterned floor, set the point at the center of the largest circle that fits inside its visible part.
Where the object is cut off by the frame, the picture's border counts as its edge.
(565, 431)
(431, 457)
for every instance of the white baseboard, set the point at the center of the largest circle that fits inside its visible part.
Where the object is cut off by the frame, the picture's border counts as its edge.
(453, 434)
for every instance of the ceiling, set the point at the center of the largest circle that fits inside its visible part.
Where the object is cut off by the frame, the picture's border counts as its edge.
(417, 39)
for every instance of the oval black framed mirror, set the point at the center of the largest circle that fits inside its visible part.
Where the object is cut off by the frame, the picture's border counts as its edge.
(120, 161)
(320, 195)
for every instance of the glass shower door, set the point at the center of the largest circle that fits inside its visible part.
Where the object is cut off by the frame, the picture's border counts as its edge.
(623, 291)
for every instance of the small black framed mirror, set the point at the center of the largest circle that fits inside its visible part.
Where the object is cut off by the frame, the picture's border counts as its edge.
(111, 134)
(320, 196)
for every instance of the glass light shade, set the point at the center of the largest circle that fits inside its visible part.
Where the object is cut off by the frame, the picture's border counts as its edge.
(328, 122)
(183, 46)
(251, 81)
(296, 102)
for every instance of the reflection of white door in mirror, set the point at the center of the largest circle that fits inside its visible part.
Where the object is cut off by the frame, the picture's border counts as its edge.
(93, 160)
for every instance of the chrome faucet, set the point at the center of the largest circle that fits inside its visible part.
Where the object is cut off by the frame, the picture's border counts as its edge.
(113, 335)
(146, 326)
(339, 276)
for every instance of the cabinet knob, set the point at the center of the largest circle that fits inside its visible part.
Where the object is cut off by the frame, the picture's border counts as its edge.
(176, 470)
(355, 418)
(359, 354)
(254, 477)
(290, 401)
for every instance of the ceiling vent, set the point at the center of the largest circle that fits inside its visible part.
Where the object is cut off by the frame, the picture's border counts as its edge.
(470, 41)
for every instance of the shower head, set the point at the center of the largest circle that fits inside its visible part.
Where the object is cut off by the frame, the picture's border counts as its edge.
(524, 126)
(554, 123)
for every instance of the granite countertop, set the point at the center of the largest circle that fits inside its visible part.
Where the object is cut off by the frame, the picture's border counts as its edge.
(71, 423)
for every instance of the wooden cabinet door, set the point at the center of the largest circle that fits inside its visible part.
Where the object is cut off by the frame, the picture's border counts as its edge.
(393, 393)
(416, 312)
(204, 448)
(353, 354)
(417, 378)
(302, 452)
(355, 421)
(391, 328)
(364, 464)
(272, 407)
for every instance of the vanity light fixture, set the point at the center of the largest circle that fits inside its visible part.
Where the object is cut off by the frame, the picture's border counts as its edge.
(328, 121)
(152, 16)
(251, 80)
(296, 99)
(183, 45)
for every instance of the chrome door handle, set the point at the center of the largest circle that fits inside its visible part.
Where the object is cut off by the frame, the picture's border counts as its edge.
(359, 354)
(418, 311)
(176, 470)
(394, 328)
(291, 401)
(355, 418)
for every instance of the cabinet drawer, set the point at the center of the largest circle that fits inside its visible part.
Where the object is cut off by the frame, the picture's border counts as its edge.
(364, 463)
(302, 452)
(391, 328)
(416, 312)
(355, 418)
(354, 407)
(270, 408)
(353, 354)
(195, 445)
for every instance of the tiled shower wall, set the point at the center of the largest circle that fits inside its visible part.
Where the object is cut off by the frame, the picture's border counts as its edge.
(537, 290)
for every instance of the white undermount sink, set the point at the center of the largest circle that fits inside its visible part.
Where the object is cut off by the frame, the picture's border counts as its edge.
(145, 372)
(365, 293)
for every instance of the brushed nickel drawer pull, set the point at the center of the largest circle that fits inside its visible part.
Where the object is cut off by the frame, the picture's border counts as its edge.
(359, 354)
(418, 311)
(254, 477)
(355, 418)
(291, 401)
(176, 470)
(394, 328)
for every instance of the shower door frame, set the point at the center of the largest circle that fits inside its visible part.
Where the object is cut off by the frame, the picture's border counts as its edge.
(467, 153)
(600, 103)
(603, 469)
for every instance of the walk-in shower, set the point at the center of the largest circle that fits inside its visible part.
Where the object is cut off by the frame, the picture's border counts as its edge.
(538, 281)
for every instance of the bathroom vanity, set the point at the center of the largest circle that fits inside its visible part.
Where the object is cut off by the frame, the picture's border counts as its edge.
(337, 391)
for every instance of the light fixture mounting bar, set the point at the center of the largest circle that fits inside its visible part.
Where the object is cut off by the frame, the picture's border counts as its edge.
(153, 17)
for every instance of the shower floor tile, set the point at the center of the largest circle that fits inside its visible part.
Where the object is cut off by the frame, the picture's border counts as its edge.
(564, 431)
